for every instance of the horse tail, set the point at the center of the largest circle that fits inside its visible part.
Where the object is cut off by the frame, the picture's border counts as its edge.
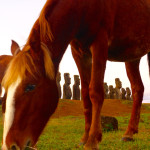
(148, 59)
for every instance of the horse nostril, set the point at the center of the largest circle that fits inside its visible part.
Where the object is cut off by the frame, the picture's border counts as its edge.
(14, 147)
(28, 143)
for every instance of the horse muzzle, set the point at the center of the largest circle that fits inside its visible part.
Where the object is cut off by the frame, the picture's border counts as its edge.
(27, 146)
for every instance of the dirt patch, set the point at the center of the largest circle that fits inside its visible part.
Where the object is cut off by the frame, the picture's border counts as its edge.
(110, 108)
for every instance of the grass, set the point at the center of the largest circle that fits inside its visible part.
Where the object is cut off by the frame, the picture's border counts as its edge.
(127, 102)
(130, 103)
(146, 106)
(64, 134)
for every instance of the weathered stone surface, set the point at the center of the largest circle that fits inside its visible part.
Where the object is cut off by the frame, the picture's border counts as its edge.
(106, 96)
(128, 96)
(76, 88)
(123, 93)
(67, 94)
(111, 92)
(117, 88)
(109, 123)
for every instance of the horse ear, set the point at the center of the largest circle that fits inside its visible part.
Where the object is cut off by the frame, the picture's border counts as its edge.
(15, 49)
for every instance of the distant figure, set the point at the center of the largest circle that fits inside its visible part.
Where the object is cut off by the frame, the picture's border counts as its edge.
(105, 91)
(58, 79)
(76, 88)
(128, 96)
(111, 92)
(117, 88)
(66, 87)
(123, 93)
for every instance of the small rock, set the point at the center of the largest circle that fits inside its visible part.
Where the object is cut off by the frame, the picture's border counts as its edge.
(109, 123)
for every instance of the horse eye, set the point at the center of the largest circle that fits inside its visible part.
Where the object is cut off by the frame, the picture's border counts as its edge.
(30, 87)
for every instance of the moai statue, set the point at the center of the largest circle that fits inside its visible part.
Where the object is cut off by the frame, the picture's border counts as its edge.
(111, 92)
(117, 88)
(128, 96)
(105, 90)
(123, 93)
(66, 87)
(58, 79)
(76, 88)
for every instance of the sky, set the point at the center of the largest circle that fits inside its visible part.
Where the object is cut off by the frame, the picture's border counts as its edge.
(16, 20)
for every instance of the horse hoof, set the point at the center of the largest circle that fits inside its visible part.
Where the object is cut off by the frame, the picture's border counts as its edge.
(96, 147)
(127, 139)
(80, 144)
(85, 148)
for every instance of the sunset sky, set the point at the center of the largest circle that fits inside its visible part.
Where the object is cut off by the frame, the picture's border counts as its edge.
(16, 20)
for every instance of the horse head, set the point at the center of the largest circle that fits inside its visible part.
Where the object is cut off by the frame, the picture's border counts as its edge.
(31, 96)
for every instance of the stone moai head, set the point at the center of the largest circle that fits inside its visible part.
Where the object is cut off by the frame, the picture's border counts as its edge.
(128, 91)
(123, 91)
(118, 83)
(105, 87)
(76, 80)
(67, 78)
(111, 89)
(58, 78)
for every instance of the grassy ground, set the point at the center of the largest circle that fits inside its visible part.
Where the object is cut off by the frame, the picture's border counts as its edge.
(1, 125)
(65, 132)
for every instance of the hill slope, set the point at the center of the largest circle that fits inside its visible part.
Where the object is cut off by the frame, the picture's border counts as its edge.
(111, 107)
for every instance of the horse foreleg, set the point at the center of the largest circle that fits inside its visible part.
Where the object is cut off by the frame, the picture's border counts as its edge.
(133, 73)
(83, 62)
(99, 51)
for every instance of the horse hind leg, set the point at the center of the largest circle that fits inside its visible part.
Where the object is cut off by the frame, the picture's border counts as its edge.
(133, 74)
(83, 62)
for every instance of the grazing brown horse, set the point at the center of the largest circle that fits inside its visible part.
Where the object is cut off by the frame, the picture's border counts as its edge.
(98, 30)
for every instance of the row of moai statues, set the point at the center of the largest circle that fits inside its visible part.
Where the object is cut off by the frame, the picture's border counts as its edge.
(109, 91)
(67, 93)
(118, 92)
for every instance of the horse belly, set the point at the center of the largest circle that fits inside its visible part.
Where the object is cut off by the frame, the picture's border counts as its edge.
(123, 53)
(130, 36)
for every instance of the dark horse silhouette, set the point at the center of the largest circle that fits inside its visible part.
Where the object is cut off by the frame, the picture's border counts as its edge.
(98, 30)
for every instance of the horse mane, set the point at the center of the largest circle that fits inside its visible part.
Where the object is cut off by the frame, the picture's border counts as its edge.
(23, 62)
(48, 63)
(45, 29)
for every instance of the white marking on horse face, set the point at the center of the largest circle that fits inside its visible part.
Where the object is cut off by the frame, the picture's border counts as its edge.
(10, 110)
(2, 92)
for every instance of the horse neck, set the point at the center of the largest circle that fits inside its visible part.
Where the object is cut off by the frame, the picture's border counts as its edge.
(63, 30)
(64, 26)
(57, 50)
